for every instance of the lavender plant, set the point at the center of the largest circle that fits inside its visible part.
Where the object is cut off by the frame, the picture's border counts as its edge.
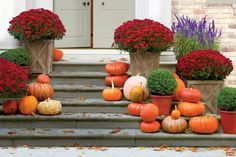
(192, 35)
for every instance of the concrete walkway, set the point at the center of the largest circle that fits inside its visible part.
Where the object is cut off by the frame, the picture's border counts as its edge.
(115, 152)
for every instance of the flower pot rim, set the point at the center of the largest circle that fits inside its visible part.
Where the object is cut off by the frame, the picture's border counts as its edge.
(227, 112)
(166, 96)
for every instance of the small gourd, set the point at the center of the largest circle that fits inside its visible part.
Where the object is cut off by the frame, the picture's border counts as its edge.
(137, 94)
(49, 107)
(112, 94)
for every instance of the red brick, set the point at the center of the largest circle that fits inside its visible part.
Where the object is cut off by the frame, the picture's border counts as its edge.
(199, 11)
(228, 49)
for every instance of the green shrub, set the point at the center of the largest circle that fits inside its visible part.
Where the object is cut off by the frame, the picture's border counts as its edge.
(161, 82)
(226, 99)
(19, 56)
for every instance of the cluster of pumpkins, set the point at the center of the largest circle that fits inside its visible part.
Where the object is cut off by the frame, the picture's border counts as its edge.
(134, 89)
(118, 80)
(190, 106)
(37, 99)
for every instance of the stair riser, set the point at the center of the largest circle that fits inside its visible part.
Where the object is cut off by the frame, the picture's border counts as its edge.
(104, 124)
(77, 81)
(78, 68)
(78, 94)
(94, 68)
(117, 142)
(94, 109)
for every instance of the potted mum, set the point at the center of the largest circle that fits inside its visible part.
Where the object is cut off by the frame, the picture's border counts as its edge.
(37, 29)
(144, 40)
(226, 102)
(161, 85)
(13, 79)
(206, 71)
(19, 56)
(190, 35)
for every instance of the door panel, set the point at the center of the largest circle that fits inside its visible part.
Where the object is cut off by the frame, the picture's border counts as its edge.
(75, 15)
(108, 14)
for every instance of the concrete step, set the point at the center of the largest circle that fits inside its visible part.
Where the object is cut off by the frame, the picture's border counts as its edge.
(95, 60)
(93, 106)
(73, 120)
(75, 78)
(94, 67)
(85, 91)
(108, 137)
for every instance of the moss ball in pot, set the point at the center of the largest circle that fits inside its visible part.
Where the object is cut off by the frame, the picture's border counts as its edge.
(161, 85)
(226, 103)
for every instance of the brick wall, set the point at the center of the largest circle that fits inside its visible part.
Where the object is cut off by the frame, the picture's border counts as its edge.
(224, 15)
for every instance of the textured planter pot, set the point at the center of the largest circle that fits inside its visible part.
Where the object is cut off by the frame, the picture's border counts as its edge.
(228, 120)
(163, 103)
(209, 90)
(41, 55)
(144, 63)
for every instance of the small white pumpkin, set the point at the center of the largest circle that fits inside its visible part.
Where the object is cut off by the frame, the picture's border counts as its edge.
(49, 107)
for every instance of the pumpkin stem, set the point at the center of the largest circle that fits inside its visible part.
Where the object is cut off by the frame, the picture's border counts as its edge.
(138, 74)
(176, 107)
(112, 84)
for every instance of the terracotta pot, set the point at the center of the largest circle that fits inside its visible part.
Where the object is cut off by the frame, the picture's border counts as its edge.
(144, 63)
(163, 103)
(228, 121)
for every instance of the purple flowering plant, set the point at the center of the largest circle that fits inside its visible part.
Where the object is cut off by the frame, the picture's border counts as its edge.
(190, 35)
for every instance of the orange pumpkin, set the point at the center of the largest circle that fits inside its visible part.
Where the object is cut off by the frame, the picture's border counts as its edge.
(189, 109)
(57, 55)
(149, 112)
(180, 87)
(175, 75)
(43, 78)
(41, 91)
(175, 114)
(150, 127)
(190, 95)
(117, 68)
(135, 108)
(28, 105)
(112, 94)
(119, 81)
(171, 125)
(204, 124)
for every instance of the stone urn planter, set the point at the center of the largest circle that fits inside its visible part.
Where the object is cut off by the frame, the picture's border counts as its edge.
(209, 90)
(41, 55)
(144, 63)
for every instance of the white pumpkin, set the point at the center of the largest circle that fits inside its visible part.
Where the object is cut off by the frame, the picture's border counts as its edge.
(135, 81)
(49, 107)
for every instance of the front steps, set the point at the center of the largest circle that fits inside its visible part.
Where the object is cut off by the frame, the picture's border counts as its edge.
(106, 137)
(87, 119)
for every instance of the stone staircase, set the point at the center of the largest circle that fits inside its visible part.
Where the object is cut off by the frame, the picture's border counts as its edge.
(87, 119)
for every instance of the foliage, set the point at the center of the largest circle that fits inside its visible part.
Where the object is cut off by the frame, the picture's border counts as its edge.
(36, 24)
(226, 99)
(13, 79)
(193, 35)
(142, 36)
(161, 82)
(204, 65)
(19, 56)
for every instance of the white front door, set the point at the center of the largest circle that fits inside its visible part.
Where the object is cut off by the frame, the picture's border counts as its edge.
(76, 16)
(107, 15)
